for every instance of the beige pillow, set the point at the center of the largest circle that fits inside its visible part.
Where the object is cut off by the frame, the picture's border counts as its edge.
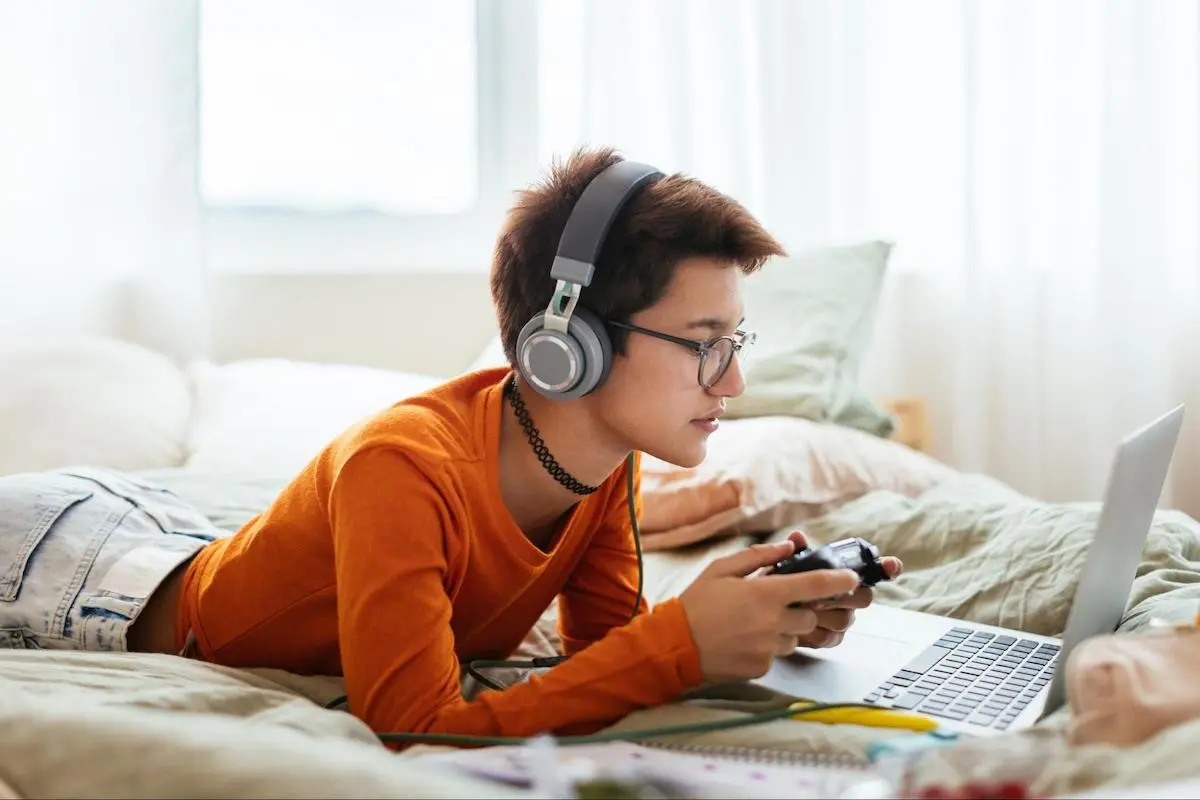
(767, 472)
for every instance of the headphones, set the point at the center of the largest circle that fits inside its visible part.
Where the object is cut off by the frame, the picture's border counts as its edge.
(565, 352)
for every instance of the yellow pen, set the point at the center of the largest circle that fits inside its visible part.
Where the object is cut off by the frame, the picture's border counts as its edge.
(869, 717)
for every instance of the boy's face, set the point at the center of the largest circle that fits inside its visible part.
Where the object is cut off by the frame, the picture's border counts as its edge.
(652, 400)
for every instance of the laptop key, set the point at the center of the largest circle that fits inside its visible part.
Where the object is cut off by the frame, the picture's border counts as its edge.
(927, 660)
(909, 700)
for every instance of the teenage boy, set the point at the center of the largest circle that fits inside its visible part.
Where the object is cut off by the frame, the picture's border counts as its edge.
(439, 530)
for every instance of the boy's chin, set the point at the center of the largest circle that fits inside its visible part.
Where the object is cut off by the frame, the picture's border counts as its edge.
(683, 456)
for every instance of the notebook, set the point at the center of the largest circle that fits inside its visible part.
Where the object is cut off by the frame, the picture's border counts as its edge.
(691, 770)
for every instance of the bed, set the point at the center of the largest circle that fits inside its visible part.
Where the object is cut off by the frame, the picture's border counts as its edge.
(227, 437)
(100, 725)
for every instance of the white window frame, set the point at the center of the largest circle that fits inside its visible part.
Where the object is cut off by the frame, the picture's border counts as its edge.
(244, 240)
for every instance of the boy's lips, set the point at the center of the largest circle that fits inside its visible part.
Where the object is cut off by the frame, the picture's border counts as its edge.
(710, 422)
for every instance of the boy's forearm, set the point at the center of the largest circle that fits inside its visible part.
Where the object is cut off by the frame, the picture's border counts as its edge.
(651, 661)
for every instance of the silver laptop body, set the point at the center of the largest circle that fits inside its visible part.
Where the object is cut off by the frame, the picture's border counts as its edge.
(983, 680)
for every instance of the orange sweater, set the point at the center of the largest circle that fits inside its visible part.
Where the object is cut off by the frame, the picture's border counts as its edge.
(391, 559)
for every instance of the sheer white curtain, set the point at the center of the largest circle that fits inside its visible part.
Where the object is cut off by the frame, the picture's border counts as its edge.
(99, 223)
(1036, 163)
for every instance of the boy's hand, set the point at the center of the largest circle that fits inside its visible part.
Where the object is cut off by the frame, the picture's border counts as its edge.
(834, 617)
(739, 625)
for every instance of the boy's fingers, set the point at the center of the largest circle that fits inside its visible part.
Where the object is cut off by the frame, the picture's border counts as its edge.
(806, 587)
(746, 561)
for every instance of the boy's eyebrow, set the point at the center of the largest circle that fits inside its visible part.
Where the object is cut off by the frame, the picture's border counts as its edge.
(713, 323)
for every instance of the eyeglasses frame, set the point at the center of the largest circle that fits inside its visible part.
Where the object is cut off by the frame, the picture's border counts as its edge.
(739, 339)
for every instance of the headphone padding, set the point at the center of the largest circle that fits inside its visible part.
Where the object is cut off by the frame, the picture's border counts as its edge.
(592, 334)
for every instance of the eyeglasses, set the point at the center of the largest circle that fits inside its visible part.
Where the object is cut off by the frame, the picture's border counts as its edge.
(715, 354)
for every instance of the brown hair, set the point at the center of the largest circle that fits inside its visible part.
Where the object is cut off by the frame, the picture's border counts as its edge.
(672, 218)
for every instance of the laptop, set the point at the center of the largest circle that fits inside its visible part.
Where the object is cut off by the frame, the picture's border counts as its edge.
(983, 680)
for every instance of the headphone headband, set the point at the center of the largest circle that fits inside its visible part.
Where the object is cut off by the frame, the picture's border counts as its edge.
(592, 218)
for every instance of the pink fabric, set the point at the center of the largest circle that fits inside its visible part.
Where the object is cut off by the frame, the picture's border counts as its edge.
(763, 473)
(1125, 688)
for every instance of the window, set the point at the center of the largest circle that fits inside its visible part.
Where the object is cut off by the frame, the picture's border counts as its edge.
(363, 134)
(333, 104)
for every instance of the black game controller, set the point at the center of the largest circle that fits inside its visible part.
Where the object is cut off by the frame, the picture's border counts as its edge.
(856, 554)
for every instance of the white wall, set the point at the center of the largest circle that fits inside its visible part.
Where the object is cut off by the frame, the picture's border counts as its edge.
(31, 309)
(433, 323)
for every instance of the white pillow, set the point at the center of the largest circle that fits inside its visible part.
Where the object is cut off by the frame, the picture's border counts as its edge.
(90, 401)
(492, 356)
(269, 417)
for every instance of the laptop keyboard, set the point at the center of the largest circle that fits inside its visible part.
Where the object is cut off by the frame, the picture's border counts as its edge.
(979, 677)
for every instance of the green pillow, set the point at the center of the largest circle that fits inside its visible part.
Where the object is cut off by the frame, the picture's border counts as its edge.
(863, 413)
(814, 314)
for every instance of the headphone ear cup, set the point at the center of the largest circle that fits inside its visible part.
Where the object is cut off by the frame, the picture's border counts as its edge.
(564, 366)
(592, 335)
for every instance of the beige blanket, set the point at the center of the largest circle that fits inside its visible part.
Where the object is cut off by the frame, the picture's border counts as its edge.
(143, 726)
(105, 725)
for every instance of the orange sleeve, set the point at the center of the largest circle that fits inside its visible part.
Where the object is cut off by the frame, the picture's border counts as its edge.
(397, 646)
(600, 593)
